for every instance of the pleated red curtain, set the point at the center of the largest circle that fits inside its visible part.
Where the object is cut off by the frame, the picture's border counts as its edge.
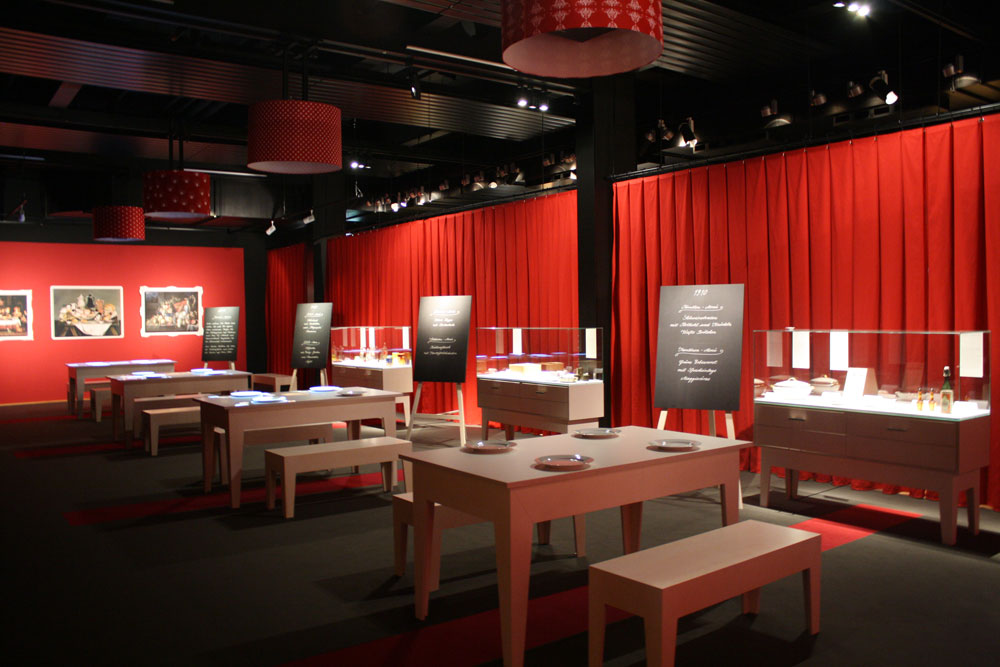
(517, 260)
(286, 288)
(895, 232)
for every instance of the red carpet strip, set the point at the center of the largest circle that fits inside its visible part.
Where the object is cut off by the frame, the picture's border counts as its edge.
(852, 523)
(90, 448)
(476, 639)
(211, 501)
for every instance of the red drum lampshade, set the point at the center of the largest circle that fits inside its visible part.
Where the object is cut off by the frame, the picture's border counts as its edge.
(581, 38)
(119, 223)
(294, 137)
(176, 195)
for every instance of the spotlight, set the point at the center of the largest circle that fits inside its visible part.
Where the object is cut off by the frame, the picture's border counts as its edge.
(394, 206)
(816, 99)
(354, 164)
(522, 97)
(769, 110)
(687, 133)
(839, 5)
(272, 229)
(543, 106)
(309, 218)
(854, 89)
(880, 86)
(864, 10)
(493, 184)
(414, 85)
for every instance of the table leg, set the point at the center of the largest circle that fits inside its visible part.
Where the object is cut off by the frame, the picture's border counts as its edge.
(388, 475)
(116, 414)
(423, 547)
(513, 547)
(235, 446)
(71, 396)
(791, 483)
(949, 513)
(486, 426)
(128, 408)
(765, 477)
(389, 419)
(544, 532)
(810, 585)
(729, 494)
(631, 526)
(972, 505)
(508, 431)
(353, 429)
(207, 455)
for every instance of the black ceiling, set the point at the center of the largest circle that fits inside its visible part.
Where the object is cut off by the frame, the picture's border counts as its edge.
(94, 86)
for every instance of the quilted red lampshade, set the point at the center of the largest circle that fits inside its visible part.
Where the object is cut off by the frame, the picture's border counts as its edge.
(176, 195)
(119, 223)
(294, 137)
(581, 38)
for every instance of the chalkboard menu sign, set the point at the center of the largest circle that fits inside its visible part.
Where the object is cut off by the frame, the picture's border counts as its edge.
(699, 349)
(222, 328)
(442, 339)
(311, 341)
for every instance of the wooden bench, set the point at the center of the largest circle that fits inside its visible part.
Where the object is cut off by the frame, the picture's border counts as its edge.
(289, 461)
(157, 402)
(99, 393)
(447, 517)
(273, 381)
(669, 581)
(153, 420)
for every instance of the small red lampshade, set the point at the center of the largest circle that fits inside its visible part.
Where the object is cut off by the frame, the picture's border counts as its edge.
(119, 223)
(581, 38)
(294, 137)
(176, 195)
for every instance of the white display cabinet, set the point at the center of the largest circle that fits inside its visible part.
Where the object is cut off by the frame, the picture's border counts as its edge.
(539, 377)
(870, 405)
(374, 357)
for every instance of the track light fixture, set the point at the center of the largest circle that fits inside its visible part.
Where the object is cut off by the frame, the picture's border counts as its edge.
(880, 86)
(414, 85)
(854, 89)
(816, 99)
(272, 229)
(522, 96)
(769, 110)
(309, 218)
(688, 137)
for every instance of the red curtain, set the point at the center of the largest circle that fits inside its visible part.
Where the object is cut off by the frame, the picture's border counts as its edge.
(518, 261)
(898, 231)
(286, 288)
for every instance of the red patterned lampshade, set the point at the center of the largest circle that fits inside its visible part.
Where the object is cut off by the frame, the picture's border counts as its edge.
(176, 195)
(119, 223)
(581, 38)
(294, 137)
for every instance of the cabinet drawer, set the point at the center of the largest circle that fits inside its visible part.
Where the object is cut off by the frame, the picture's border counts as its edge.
(543, 392)
(903, 429)
(910, 454)
(498, 388)
(831, 444)
(800, 419)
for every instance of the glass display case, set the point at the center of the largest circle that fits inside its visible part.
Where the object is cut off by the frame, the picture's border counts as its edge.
(374, 357)
(900, 372)
(540, 377)
(908, 408)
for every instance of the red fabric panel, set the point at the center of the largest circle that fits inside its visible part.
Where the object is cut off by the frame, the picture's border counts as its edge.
(35, 370)
(518, 261)
(286, 289)
(895, 232)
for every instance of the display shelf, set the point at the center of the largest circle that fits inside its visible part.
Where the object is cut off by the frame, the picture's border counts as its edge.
(373, 357)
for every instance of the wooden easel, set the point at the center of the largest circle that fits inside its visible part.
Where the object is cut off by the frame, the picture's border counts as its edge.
(232, 365)
(661, 424)
(461, 412)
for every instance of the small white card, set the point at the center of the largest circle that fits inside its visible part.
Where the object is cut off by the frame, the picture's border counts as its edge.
(839, 350)
(371, 338)
(854, 385)
(774, 348)
(406, 338)
(970, 354)
(800, 349)
(364, 338)
(590, 349)
(515, 346)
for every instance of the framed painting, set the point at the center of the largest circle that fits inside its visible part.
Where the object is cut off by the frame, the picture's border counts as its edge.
(171, 311)
(16, 314)
(86, 311)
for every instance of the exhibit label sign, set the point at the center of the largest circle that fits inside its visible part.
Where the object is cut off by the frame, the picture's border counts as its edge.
(442, 338)
(699, 347)
(311, 341)
(222, 328)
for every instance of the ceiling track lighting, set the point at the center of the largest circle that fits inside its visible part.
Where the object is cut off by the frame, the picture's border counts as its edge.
(686, 130)
(309, 218)
(769, 110)
(272, 229)
(859, 9)
(414, 85)
(854, 89)
(880, 86)
(816, 99)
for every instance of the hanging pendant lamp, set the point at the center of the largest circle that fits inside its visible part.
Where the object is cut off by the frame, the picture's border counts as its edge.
(581, 38)
(119, 223)
(294, 137)
(177, 196)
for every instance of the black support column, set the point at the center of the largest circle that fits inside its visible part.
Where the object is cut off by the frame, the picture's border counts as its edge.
(605, 145)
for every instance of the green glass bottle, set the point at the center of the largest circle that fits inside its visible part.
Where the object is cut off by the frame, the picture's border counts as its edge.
(947, 393)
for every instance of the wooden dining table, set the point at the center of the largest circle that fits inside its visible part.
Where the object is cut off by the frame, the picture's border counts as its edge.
(515, 493)
(126, 388)
(80, 372)
(237, 415)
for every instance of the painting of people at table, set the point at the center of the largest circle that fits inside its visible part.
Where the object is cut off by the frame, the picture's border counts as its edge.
(171, 311)
(15, 315)
(84, 312)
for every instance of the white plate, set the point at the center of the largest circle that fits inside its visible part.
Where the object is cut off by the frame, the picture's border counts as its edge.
(202, 370)
(269, 399)
(351, 392)
(322, 388)
(673, 445)
(489, 447)
(598, 432)
(563, 462)
(245, 394)
(146, 373)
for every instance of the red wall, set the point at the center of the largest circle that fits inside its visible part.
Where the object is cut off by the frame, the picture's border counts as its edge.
(35, 370)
